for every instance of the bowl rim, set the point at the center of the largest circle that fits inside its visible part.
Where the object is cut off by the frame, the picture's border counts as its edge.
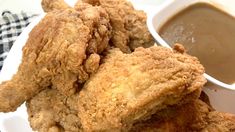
(159, 40)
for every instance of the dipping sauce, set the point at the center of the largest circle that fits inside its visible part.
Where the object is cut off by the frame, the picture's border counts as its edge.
(207, 33)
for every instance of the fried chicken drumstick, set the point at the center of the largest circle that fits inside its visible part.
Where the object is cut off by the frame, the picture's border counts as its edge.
(62, 51)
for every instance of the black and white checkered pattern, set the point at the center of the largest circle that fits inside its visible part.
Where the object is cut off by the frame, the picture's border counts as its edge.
(11, 25)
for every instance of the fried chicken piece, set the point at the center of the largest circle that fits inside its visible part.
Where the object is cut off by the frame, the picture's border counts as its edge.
(196, 116)
(51, 111)
(50, 5)
(62, 51)
(131, 87)
(129, 25)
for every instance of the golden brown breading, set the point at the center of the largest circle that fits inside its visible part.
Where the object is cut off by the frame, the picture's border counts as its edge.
(195, 116)
(59, 52)
(131, 87)
(129, 25)
(50, 110)
(50, 5)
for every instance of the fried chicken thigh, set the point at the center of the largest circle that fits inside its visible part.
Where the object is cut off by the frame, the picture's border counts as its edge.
(131, 87)
(62, 51)
(195, 116)
(129, 25)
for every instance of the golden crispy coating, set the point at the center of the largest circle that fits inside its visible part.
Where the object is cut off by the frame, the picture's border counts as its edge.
(50, 5)
(195, 116)
(50, 110)
(129, 25)
(131, 87)
(62, 51)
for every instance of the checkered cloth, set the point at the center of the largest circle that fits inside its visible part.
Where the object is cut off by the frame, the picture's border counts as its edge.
(11, 25)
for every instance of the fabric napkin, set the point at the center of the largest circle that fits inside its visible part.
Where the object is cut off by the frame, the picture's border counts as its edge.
(11, 25)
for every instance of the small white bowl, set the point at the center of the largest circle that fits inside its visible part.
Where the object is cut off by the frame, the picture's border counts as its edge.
(221, 94)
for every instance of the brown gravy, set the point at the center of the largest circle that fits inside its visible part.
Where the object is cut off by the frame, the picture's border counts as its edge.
(207, 33)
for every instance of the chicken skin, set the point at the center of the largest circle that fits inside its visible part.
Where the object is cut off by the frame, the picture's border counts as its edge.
(61, 52)
(131, 87)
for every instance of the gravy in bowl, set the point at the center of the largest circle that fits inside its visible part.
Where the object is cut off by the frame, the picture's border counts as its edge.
(207, 33)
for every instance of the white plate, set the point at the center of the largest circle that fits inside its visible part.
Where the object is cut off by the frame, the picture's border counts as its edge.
(17, 121)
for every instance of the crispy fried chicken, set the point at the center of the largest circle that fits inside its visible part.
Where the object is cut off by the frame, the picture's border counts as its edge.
(62, 51)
